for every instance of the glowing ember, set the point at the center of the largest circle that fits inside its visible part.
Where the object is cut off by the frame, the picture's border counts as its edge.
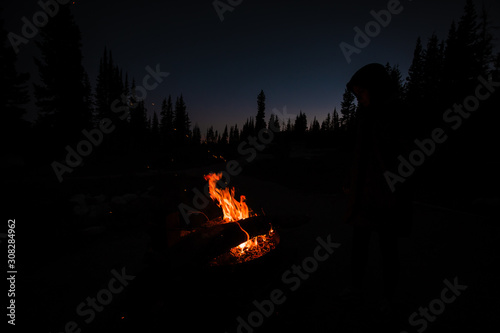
(254, 248)
(233, 211)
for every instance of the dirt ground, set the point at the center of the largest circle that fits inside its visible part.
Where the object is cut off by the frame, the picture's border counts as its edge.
(75, 263)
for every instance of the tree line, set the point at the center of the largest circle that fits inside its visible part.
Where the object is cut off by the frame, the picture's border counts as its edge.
(441, 72)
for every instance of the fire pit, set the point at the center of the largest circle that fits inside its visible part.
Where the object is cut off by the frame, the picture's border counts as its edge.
(252, 249)
(235, 211)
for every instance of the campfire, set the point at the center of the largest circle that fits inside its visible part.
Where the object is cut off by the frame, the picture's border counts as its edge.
(235, 211)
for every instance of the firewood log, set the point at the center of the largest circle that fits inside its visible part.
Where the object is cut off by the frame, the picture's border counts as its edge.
(206, 243)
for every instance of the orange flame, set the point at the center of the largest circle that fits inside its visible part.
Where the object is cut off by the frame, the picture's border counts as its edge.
(233, 211)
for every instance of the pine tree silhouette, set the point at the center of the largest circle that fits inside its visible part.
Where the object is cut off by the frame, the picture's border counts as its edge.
(260, 121)
(61, 95)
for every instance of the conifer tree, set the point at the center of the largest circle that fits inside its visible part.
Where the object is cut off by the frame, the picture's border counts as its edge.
(62, 93)
(13, 92)
(260, 121)
(347, 109)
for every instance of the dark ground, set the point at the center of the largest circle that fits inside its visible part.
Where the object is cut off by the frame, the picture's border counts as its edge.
(74, 246)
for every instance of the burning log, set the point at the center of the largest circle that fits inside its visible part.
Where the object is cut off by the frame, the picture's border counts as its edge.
(207, 243)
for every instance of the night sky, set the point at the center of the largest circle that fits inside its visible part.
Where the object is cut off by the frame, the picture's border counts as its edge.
(290, 49)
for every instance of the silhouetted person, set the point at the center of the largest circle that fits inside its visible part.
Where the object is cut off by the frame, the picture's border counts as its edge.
(383, 131)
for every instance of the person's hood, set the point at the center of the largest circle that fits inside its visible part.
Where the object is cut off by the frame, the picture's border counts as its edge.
(375, 79)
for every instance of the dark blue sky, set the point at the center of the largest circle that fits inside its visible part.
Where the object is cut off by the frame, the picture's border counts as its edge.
(290, 49)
